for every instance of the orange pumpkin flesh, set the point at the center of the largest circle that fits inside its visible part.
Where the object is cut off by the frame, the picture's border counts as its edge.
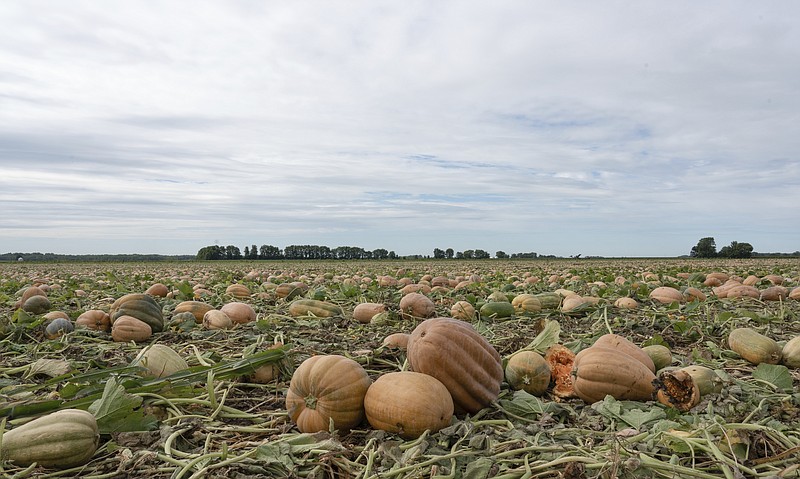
(327, 388)
(560, 358)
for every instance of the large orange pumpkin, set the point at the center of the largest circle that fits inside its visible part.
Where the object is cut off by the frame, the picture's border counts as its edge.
(454, 353)
(325, 389)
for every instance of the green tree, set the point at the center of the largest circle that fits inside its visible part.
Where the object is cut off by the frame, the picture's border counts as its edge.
(501, 255)
(705, 248)
(449, 253)
(737, 250)
(438, 253)
(481, 254)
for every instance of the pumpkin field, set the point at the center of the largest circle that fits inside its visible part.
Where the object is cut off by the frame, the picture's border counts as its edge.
(563, 368)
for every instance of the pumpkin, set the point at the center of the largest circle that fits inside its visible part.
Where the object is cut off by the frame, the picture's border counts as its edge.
(754, 347)
(62, 439)
(325, 389)
(57, 328)
(313, 307)
(527, 370)
(526, 304)
(626, 303)
(743, 291)
(95, 319)
(197, 308)
(416, 305)
(240, 313)
(55, 314)
(615, 341)
(142, 307)
(677, 389)
(421, 288)
(659, 354)
(693, 294)
(497, 310)
(550, 300)
(160, 361)
(600, 371)
(36, 305)
(463, 310)
(666, 295)
(239, 291)
(454, 353)
(707, 380)
(216, 319)
(128, 328)
(363, 312)
(396, 340)
(775, 293)
(574, 304)
(290, 291)
(560, 358)
(795, 293)
(408, 403)
(790, 354)
(158, 289)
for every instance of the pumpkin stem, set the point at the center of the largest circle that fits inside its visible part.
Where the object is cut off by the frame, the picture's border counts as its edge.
(311, 402)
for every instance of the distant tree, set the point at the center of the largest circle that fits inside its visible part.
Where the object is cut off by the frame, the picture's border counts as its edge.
(392, 255)
(438, 253)
(212, 252)
(253, 252)
(449, 253)
(247, 252)
(705, 248)
(469, 254)
(501, 255)
(380, 253)
(233, 252)
(481, 254)
(737, 250)
(460, 255)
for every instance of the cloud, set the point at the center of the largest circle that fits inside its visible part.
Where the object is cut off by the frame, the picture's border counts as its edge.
(611, 129)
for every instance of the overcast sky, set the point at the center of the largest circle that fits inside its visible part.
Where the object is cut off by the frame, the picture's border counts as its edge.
(600, 128)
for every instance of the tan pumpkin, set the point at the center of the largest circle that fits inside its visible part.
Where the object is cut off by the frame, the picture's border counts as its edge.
(158, 289)
(775, 293)
(55, 314)
(197, 308)
(325, 389)
(743, 291)
(416, 305)
(626, 303)
(790, 353)
(754, 346)
(238, 291)
(291, 290)
(622, 344)
(795, 294)
(463, 310)
(526, 304)
(62, 440)
(454, 353)
(600, 371)
(216, 319)
(95, 319)
(396, 341)
(528, 370)
(408, 403)
(239, 313)
(128, 328)
(707, 380)
(666, 295)
(574, 304)
(160, 361)
(364, 312)
(142, 307)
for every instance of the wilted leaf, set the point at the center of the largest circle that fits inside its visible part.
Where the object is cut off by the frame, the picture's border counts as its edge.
(549, 336)
(118, 411)
(776, 374)
(49, 367)
(527, 405)
(628, 412)
(478, 469)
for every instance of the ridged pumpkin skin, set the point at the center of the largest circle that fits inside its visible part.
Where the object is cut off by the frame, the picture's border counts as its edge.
(659, 354)
(463, 310)
(526, 304)
(160, 361)
(240, 313)
(454, 353)
(216, 319)
(308, 307)
(325, 388)
(599, 371)
(396, 340)
(615, 341)
(364, 312)
(239, 291)
(527, 370)
(791, 353)
(416, 305)
(197, 308)
(408, 403)
(754, 346)
(128, 328)
(95, 319)
(549, 300)
(61, 440)
(142, 307)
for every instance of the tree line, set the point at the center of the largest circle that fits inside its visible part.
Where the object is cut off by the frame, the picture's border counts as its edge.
(707, 248)
(231, 252)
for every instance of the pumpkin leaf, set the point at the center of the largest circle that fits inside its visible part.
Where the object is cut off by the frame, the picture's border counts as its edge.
(549, 336)
(479, 468)
(528, 406)
(49, 367)
(776, 374)
(118, 411)
(628, 412)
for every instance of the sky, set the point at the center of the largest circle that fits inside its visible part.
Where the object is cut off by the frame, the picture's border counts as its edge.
(607, 128)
